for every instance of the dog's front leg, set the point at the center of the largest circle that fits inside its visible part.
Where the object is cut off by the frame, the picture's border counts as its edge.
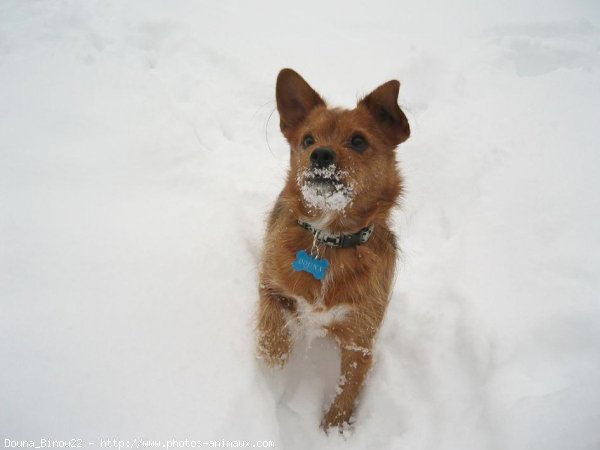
(355, 365)
(274, 340)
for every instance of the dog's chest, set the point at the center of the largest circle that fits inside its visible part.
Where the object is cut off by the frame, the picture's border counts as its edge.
(312, 305)
(313, 319)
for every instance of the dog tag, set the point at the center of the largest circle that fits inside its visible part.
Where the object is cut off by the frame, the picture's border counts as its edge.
(306, 263)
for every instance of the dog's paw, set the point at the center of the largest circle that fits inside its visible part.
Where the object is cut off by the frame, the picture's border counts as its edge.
(274, 354)
(337, 418)
(276, 361)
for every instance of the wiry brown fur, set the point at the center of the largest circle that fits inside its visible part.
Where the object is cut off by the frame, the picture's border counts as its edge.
(360, 277)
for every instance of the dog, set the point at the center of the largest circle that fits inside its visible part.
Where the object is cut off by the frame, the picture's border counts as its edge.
(329, 256)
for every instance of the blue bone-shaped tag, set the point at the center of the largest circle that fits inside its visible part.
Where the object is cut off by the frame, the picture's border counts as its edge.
(306, 263)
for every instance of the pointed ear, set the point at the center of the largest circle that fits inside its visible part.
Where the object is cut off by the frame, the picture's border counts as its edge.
(382, 103)
(295, 99)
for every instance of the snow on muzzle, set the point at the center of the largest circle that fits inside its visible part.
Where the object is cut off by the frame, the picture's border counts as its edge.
(323, 188)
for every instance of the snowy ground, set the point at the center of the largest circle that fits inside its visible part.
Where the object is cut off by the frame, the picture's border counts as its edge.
(137, 163)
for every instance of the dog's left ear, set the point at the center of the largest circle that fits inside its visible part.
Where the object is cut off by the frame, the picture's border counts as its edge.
(382, 103)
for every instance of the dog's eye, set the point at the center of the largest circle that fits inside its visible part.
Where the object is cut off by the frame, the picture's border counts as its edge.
(308, 140)
(358, 143)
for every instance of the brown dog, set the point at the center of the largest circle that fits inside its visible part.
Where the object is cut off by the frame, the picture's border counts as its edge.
(329, 255)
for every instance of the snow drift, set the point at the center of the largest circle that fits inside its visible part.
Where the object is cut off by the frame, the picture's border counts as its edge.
(139, 154)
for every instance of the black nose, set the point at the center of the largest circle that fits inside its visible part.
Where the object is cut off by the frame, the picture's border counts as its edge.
(322, 157)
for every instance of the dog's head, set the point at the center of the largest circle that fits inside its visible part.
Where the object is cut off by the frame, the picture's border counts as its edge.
(343, 168)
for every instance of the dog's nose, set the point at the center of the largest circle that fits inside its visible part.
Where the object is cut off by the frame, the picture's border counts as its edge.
(322, 157)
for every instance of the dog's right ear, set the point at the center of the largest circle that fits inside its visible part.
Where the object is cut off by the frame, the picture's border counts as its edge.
(382, 103)
(295, 99)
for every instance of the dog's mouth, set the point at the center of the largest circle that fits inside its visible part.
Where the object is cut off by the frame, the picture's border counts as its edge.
(325, 189)
(319, 186)
(319, 179)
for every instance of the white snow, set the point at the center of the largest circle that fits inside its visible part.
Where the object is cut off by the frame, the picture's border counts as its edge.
(138, 162)
(328, 196)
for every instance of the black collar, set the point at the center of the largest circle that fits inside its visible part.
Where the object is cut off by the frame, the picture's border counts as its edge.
(337, 239)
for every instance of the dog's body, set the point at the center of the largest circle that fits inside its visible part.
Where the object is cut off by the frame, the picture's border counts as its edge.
(335, 206)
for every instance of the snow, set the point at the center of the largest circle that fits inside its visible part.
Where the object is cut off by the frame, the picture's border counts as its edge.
(139, 155)
(325, 196)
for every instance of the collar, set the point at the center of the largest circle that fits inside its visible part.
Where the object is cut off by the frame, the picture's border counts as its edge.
(339, 240)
